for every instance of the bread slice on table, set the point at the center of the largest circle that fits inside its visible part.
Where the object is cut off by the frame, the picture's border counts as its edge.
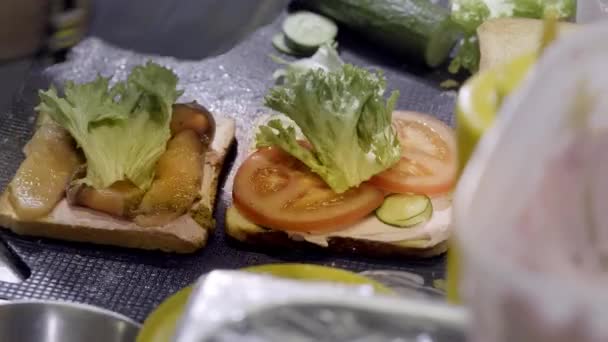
(353, 240)
(423, 241)
(186, 234)
(503, 39)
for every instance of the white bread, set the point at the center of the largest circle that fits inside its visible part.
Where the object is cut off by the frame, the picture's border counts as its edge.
(241, 229)
(184, 235)
(414, 242)
(501, 40)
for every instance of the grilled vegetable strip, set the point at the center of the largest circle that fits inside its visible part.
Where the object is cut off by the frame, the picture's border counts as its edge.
(177, 183)
(195, 117)
(120, 199)
(40, 182)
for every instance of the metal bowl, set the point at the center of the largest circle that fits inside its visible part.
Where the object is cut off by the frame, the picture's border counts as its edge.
(42, 321)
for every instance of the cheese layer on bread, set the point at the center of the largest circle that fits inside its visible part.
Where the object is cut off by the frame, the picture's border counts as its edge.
(422, 236)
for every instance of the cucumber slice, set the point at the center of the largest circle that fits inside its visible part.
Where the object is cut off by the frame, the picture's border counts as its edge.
(279, 43)
(306, 31)
(404, 210)
(300, 50)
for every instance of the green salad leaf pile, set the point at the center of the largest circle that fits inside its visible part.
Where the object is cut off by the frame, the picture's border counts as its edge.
(344, 117)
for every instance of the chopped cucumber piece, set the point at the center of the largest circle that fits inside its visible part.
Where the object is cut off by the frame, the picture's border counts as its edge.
(404, 210)
(278, 41)
(306, 31)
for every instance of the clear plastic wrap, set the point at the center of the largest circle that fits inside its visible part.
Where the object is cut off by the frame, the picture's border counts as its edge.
(530, 211)
(246, 307)
(588, 11)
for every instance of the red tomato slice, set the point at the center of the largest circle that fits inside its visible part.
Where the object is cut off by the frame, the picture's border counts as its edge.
(275, 190)
(428, 162)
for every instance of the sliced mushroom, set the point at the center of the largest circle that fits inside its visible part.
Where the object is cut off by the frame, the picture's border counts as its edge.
(40, 181)
(193, 116)
(120, 199)
(177, 183)
(177, 180)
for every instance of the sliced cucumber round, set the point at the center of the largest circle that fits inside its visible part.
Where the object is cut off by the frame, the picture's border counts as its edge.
(403, 210)
(278, 41)
(306, 31)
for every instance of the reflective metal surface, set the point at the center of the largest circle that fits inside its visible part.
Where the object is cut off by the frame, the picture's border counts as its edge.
(406, 284)
(47, 321)
(12, 268)
(321, 322)
(270, 309)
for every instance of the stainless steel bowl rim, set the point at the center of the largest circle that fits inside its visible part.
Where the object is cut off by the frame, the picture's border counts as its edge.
(81, 306)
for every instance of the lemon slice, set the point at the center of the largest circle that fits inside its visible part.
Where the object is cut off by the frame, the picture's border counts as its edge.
(480, 98)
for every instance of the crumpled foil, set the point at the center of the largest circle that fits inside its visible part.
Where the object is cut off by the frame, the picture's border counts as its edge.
(247, 307)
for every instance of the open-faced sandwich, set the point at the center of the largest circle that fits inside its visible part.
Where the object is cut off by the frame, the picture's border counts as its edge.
(342, 170)
(123, 165)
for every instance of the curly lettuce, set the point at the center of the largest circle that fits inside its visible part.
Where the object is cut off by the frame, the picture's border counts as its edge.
(345, 118)
(122, 130)
(469, 14)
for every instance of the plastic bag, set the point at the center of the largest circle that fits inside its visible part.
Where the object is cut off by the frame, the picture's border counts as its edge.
(246, 307)
(530, 211)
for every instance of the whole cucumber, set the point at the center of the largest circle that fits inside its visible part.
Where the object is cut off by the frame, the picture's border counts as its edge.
(414, 28)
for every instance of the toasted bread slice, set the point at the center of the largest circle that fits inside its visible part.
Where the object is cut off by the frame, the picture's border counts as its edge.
(184, 235)
(240, 228)
(243, 230)
(501, 40)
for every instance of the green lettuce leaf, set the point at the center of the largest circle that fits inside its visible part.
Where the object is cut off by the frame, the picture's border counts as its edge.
(344, 117)
(122, 130)
(469, 14)
(468, 56)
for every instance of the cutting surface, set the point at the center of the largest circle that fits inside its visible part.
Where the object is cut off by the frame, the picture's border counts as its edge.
(134, 282)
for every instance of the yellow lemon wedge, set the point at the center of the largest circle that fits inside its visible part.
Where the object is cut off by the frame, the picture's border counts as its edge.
(479, 100)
